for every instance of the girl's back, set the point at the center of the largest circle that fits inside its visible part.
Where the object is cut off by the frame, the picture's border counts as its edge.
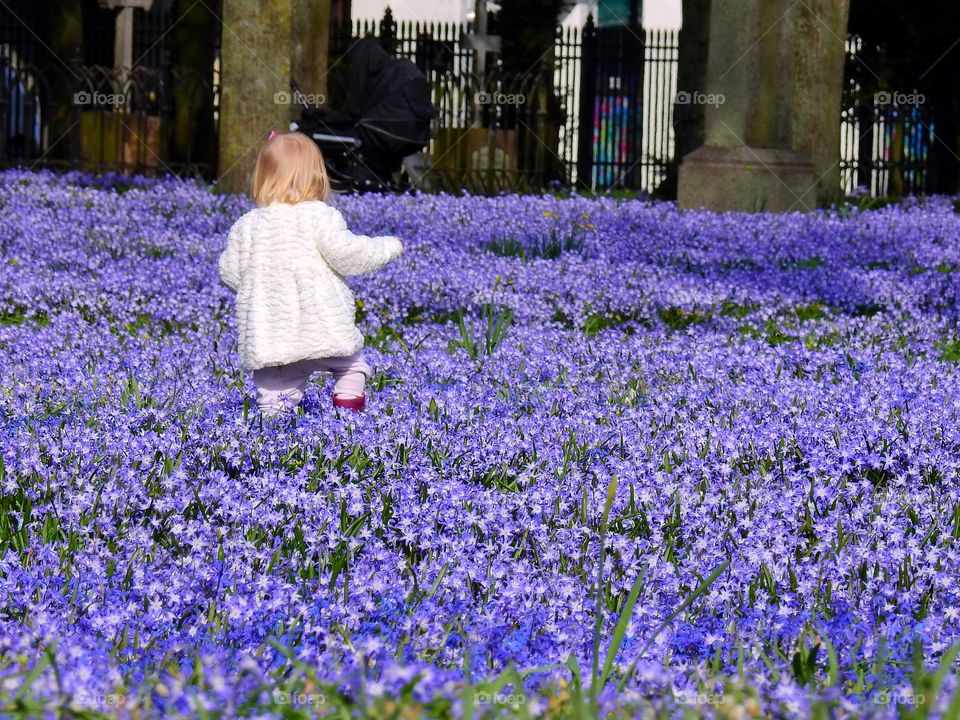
(286, 260)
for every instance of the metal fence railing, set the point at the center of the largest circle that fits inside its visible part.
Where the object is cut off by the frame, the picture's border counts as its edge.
(80, 112)
(492, 131)
(600, 111)
(597, 115)
(886, 137)
(107, 119)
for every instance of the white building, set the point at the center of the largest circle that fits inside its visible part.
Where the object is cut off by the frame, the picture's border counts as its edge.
(656, 13)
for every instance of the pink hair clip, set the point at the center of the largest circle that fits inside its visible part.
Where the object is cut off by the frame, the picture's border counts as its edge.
(272, 135)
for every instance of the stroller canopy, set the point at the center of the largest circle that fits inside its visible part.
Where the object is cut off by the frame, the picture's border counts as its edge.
(391, 97)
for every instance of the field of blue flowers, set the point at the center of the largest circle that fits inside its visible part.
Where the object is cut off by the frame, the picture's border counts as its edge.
(618, 460)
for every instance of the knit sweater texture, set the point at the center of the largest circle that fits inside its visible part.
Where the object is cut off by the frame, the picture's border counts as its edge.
(286, 264)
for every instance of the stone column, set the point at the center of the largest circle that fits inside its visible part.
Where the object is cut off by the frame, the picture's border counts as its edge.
(749, 160)
(123, 29)
(255, 95)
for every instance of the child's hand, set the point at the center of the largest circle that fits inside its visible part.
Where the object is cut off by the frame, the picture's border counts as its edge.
(399, 245)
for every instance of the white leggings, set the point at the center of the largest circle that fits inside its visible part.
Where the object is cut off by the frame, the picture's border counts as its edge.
(279, 381)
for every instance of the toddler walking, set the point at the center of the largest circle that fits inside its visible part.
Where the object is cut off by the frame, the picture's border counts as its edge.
(286, 260)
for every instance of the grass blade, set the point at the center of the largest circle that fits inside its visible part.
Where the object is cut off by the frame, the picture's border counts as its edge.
(625, 616)
(690, 599)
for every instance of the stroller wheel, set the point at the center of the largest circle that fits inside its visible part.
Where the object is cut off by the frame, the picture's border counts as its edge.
(339, 181)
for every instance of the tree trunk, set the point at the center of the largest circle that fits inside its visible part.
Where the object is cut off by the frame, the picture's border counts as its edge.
(818, 88)
(944, 164)
(688, 117)
(66, 44)
(255, 93)
(192, 134)
(310, 46)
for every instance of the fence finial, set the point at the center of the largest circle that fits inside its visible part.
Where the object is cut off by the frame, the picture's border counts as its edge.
(387, 30)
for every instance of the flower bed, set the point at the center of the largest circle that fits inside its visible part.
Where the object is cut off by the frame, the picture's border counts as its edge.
(754, 418)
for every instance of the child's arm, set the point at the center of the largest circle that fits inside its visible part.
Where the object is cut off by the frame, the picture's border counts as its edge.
(351, 254)
(230, 260)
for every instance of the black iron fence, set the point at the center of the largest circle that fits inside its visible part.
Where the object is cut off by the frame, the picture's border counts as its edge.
(887, 138)
(492, 130)
(598, 113)
(78, 112)
(137, 120)
(605, 119)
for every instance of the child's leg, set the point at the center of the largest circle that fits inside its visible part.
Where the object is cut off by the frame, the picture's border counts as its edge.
(279, 383)
(350, 374)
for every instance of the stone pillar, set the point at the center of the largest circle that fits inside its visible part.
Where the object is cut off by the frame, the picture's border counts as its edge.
(749, 159)
(255, 93)
(123, 29)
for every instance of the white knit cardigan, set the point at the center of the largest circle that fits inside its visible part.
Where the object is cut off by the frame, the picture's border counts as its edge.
(286, 264)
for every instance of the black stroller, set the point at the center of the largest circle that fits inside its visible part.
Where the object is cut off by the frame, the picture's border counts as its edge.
(390, 113)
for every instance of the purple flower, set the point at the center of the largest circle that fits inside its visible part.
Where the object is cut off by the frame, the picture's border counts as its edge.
(779, 391)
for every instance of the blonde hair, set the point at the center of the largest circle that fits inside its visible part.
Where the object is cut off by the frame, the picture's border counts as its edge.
(289, 170)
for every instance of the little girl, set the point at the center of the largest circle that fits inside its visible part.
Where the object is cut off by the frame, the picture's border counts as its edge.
(286, 260)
